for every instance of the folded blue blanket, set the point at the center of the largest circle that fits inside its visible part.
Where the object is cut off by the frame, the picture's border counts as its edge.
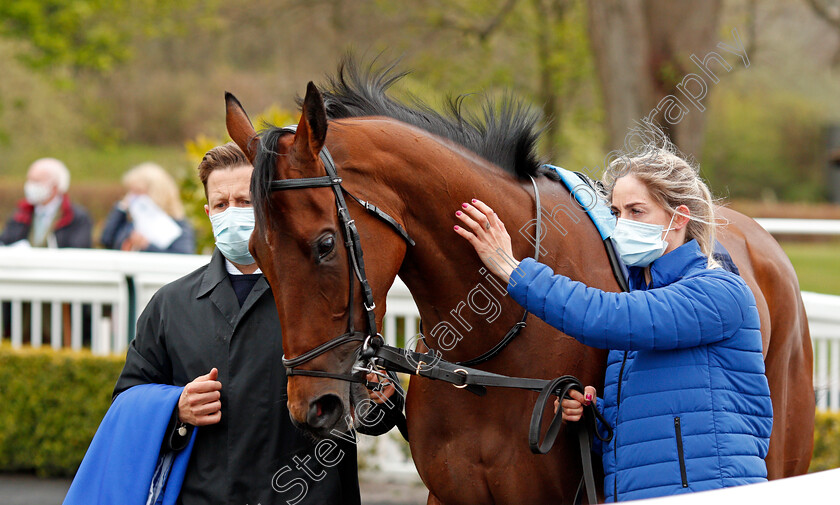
(123, 464)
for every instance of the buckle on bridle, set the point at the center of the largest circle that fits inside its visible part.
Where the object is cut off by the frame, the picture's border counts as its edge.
(370, 346)
(463, 372)
(372, 307)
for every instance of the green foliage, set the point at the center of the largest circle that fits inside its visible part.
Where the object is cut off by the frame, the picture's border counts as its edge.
(52, 405)
(537, 48)
(826, 442)
(90, 34)
(192, 193)
(764, 143)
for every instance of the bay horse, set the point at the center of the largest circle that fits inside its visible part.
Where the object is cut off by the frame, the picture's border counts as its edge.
(418, 166)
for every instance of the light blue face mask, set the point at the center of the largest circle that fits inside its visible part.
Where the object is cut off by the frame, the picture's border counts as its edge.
(232, 229)
(639, 244)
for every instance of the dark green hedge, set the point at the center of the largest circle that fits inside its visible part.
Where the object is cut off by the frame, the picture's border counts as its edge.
(50, 406)
(52, 402)
(826, 442)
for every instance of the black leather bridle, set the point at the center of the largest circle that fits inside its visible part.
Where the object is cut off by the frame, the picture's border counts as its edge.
(371, 339)
(371, 336)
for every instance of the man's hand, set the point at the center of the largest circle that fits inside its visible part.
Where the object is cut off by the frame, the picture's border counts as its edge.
(573, 406)
(384, 393)
(199, 404)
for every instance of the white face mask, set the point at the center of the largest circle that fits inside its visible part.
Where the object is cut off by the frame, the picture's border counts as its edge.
(232, 229)
(639, 244)
(36, 193)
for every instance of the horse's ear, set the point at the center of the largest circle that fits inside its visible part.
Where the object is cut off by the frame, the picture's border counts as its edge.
(239, 127)
(312, 130)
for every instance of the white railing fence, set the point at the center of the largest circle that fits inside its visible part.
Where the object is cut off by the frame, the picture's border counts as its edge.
(80, 297)
(781, 226)
(91, 298)
(824, 322)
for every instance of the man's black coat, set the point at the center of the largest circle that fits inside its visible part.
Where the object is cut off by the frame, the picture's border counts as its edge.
(254, 455)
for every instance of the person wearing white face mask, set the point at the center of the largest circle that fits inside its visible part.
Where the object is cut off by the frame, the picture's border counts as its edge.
(685, 386)
(216, 333)
(46, 217)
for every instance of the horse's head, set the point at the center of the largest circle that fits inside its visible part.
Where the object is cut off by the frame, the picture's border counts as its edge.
(299, 242)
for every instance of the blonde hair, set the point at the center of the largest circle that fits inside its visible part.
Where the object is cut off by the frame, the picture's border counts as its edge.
(672, 181)
(158, 185)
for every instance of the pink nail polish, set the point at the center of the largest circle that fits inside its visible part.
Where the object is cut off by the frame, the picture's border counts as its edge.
(464, 205)
(458, 213)
(456, 227)
(588, 396)
(473, 200)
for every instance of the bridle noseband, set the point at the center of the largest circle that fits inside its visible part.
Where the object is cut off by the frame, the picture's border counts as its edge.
(371, 338)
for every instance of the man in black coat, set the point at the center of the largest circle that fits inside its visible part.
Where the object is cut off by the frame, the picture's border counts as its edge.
(216, 332)
(46, 217)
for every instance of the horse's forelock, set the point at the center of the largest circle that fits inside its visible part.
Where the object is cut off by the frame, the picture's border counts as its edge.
(265, 164)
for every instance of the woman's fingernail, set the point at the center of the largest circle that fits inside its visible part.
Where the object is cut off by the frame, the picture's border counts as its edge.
(458, 213)
(456, 227)
(464, 205)
(473, 200)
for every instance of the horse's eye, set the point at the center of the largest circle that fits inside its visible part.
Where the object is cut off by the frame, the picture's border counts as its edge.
(326, 245)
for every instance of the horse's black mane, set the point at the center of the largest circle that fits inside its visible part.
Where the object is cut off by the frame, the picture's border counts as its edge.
(505, 133)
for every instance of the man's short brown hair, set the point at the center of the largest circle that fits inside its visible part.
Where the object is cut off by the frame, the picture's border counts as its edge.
(222, 157)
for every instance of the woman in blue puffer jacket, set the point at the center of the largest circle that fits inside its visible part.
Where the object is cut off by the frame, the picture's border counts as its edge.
(685, 387)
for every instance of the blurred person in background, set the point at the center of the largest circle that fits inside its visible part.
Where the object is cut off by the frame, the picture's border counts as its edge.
(153, 181)
(45, 217)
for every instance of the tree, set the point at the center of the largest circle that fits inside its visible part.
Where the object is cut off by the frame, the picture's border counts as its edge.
(828, 11)
(642, 51)
(537, 48)
(89, 34)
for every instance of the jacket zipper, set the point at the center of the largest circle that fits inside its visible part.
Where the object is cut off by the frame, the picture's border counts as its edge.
(678, 429)
(615, 433)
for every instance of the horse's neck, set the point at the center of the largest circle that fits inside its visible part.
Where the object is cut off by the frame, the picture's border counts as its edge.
(423, 182)
(458, 297)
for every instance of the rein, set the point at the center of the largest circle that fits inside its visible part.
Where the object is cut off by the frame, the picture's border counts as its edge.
(379, 355)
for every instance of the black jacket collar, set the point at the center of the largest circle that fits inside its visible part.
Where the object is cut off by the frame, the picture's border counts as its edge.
(215, 281)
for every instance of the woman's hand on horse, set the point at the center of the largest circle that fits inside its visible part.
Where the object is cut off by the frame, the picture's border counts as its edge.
(573, 406)
(486, 232)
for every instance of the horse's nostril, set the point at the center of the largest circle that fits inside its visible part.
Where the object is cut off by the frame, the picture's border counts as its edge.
(324, 412)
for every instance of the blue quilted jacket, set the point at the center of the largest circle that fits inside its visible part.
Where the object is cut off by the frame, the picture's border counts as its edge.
(685, 387)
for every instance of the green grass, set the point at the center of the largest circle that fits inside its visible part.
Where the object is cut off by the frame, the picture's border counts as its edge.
(89, 164)
(817, 265)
